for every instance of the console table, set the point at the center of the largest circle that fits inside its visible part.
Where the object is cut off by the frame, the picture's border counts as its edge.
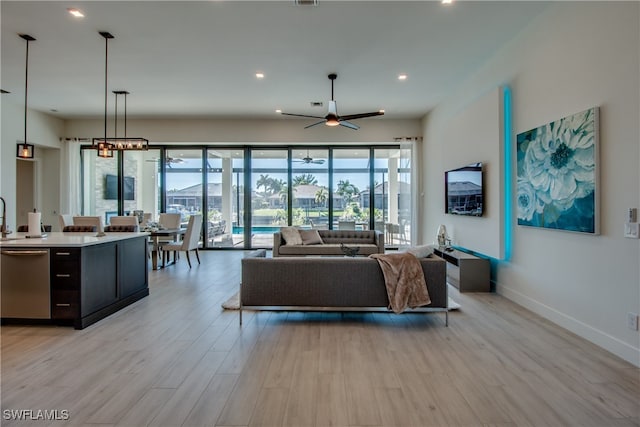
(466, 272)
(71, 278)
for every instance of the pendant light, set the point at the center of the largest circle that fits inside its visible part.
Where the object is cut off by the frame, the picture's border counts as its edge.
(106, 145)
(24, 149)
(104, 148)
(126, 143)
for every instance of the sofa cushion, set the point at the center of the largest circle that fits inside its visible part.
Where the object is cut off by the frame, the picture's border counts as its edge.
(325, 249)
(351, 237)
(420, 251)
(291, 236)
(310, 237)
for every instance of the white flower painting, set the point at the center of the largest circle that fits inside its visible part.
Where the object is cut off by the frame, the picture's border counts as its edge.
(557, 174)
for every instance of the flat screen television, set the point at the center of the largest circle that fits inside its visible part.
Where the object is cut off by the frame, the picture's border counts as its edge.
(111, 187)
(464, 190)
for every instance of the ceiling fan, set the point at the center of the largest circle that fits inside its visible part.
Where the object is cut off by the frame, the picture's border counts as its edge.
(332, 118)
(168, 160)
(308, 159)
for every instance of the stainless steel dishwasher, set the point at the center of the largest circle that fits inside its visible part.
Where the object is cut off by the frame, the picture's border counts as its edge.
(24, 280)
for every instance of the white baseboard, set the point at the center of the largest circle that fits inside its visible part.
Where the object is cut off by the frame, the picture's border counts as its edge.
(600, 338)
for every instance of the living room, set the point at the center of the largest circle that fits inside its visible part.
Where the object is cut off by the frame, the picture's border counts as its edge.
(570, 57)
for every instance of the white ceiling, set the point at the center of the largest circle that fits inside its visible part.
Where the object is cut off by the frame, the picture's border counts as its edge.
(199, 59)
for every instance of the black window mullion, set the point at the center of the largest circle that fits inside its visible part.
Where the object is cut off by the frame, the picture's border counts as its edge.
(289, 188)
(372, 189)
(248, 209)
(120, 164)
(330, 188)
(205, 198)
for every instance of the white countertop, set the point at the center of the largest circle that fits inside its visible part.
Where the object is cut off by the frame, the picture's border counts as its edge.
(58, 239)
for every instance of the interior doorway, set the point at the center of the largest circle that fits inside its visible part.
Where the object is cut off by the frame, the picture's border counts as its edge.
(25, 189)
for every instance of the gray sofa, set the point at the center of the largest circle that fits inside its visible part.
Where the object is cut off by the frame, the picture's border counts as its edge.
(369, 242)
(329, 284)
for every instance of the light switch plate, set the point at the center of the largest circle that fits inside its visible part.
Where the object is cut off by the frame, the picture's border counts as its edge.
(631, 230)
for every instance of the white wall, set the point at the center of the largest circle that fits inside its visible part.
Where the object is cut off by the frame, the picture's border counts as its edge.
(471, 135)
(575, 56)
(44, 131)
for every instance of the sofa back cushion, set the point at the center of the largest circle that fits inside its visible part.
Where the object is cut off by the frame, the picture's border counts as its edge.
(291, 236)
(310, 237)
(347, 236)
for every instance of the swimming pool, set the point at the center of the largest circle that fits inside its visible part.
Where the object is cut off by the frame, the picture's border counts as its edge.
(257, 229)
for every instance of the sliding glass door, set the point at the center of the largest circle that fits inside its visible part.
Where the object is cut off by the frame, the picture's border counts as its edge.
(351, 176)
(269, 194)
(225, 197)
(183, 175)
(310, 187)
(246, 193)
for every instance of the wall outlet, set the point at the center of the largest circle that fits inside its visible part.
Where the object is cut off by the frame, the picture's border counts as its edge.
(632, 321)
(631, 230)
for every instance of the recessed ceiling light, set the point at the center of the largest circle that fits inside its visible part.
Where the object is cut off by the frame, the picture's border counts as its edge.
(402, 76)
(76, 12)
(278, 111)
(259, 75)
(381, 111)
(447, 1)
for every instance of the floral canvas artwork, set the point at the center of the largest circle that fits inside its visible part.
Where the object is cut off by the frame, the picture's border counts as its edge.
(557, 174)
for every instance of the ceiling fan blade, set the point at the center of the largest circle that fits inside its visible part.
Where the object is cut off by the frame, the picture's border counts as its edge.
(362, 115)
(349, 125)
(317, 162)
(315, 124)
(302, 115)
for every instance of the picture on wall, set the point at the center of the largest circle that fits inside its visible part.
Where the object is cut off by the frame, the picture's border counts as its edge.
(557, 171)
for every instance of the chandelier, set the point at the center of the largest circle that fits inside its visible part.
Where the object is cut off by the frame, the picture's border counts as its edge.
(107, 145)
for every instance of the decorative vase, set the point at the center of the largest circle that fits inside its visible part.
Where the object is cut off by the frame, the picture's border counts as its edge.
(442, 235)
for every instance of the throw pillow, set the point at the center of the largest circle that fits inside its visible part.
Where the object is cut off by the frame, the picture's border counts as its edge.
(420, 251)
(311, 237)
(291, 236)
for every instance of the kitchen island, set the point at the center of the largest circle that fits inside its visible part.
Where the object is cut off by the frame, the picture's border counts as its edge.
(71, 278)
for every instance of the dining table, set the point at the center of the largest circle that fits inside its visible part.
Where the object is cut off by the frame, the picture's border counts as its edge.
(155, 235)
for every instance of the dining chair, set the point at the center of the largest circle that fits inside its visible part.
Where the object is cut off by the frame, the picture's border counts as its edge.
(80, 228)
(127, 228)
(89, 220)
(190, 242)
(170, 220)
(64, 220)
(346, 225)
(25, 228)
(123, 220)
(147, 217)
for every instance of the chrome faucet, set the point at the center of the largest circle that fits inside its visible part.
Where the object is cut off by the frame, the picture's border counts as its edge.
(3, 225)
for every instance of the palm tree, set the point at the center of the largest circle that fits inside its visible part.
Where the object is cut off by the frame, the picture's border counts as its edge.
(321, 196)
(276, 185)
(264, 181)
(305, 179)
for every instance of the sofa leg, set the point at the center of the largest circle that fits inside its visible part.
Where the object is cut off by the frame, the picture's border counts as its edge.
(188, 260)
(446, 318)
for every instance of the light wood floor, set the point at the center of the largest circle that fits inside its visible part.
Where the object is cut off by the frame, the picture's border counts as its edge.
(177, 359)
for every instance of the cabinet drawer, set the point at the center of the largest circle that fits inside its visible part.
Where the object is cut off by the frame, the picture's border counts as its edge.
(65, 254)
(65, 268)
(64, 304)
(69, 281)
